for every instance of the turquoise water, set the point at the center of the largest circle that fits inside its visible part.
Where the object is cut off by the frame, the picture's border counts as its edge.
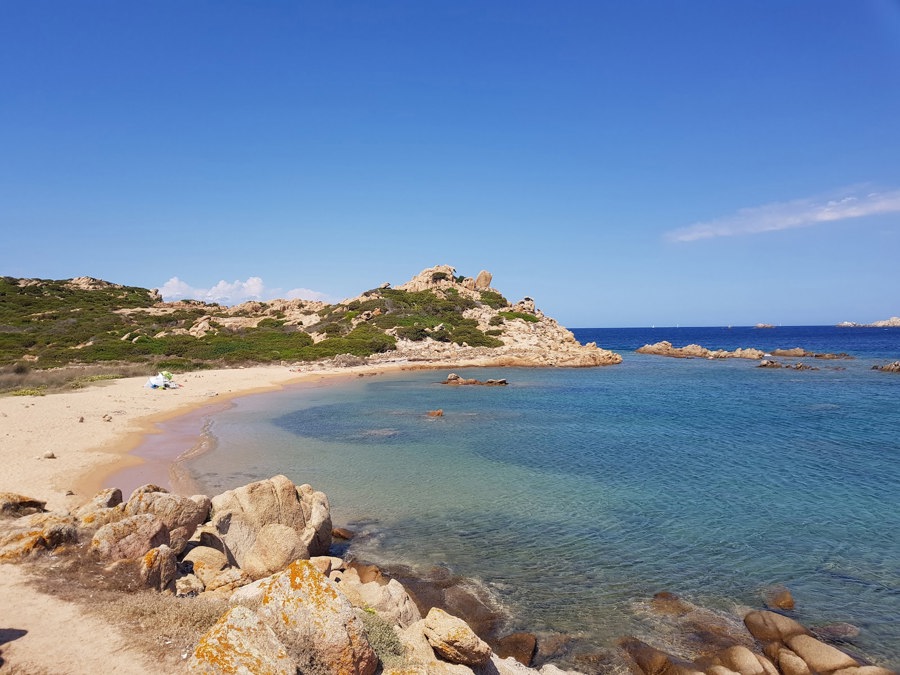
(572, 494)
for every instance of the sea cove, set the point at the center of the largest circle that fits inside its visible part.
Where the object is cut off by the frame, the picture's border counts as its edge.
(573, 495)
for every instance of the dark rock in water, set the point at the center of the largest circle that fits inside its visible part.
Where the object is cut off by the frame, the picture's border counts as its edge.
(889, 368)
(551, 647)
(836, 631)
(596, 662)
(342, 533)
(778, 597)
(652, 661)
(521, 646)
(665, 602)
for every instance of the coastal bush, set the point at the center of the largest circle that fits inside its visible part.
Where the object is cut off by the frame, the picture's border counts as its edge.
(494, 332)
(416, 332)
(531, 318)
(474, 337)
(493, 299)
(439, 276)
(496, 320)
(383, 639)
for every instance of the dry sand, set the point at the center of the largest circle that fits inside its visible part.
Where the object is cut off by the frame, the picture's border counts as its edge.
(91, 432)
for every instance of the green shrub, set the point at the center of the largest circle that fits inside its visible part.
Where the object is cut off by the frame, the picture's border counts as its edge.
(473, 337)
(493, 299)
(496, 320)
(493, 331)
(384, 639)
(531, 318)
(439, 276)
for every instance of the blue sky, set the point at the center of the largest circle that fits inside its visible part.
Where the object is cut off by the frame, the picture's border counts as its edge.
(624, 163)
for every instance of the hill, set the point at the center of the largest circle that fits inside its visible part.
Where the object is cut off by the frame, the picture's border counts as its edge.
(436, 316)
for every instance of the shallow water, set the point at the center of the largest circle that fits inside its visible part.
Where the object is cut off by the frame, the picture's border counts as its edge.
(573, 493)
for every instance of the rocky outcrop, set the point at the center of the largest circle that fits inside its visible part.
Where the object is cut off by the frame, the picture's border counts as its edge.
(799, 352)
(889, 368)
(180, 515)
(893, 322)
(15, 506)
(665, 348)
(158, 568)
(267, 524)
(455, 379)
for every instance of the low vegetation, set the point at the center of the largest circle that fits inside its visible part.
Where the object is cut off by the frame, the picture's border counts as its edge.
(57, 334)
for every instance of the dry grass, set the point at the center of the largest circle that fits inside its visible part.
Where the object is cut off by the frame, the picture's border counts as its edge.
(163, 626)
(20, 379)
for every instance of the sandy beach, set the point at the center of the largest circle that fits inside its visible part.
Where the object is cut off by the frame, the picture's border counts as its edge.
(90, 433)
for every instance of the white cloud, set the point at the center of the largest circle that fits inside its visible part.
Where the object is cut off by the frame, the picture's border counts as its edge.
(234, 292)
(788, 215)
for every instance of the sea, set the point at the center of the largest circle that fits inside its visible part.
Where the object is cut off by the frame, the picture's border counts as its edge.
(572, 496)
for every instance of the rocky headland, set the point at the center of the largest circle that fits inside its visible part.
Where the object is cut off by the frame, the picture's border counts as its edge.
(263, 551)
(893, 322)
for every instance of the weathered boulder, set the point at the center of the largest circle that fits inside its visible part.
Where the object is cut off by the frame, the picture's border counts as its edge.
(421, 656)
(104, 507)
(302, 603)
(791, 664)
(206, 562)
(387, 597)
(241, 642)
(276, 546)
(181, 515)
(768, 626)
(228, 581)
(189, 584)
(130, 537)
(483, 280)
(453, 640)
(13, 505)
(158, 568)
(36, 533)
(741, 660)
(240, 515)
(818, 655)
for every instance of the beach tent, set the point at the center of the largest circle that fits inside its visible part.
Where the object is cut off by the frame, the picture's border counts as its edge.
(162, 380)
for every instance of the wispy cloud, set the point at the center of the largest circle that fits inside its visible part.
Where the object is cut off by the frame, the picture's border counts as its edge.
(234, 292)
(788, 215)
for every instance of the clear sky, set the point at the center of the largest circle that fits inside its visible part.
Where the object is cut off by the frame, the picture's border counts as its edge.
(703, 162)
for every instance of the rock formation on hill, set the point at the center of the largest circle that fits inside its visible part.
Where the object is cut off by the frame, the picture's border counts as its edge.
(893, 322)
(436, 316)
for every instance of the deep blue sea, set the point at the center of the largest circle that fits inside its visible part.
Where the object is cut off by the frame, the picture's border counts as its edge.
(574, 494)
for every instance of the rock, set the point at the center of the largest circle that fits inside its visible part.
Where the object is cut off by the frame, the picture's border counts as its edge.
(240, 642)
(16, 506)
(104, 507)
(665, 602)
(652, 661)
(791, 664)
(889, 368)
(48, 455)
(836, 631)
(251, 595)
(483, 280)
(37, 533)
(189, 585)
(206, 562)
(453, 640)
(436, 413)
(130, 537)
(367, 588)
(342, 533)
(420, 656)
(768, 626)
(228, 580)
(819, 656)
(778, 597)
(276, 546)
(741, 660)
(768, 363)
(327, 564)
(521, 646)
(240, 515)
(180, 515)
(158, 568)
(302, 603)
